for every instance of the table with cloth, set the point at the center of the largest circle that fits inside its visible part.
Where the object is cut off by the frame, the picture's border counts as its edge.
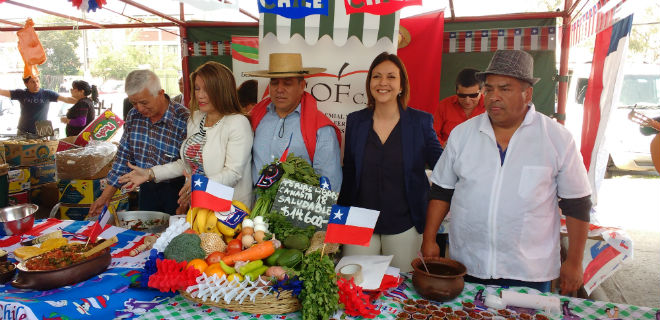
(114, 294)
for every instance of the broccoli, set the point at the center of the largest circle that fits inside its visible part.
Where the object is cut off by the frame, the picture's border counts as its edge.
(185, 247)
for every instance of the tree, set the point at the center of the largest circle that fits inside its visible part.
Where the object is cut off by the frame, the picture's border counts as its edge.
(60, 47)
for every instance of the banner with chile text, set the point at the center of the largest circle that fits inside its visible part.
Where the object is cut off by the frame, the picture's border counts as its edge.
(294, 9)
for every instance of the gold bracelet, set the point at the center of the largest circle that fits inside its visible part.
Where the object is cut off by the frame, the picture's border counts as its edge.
(152, 175)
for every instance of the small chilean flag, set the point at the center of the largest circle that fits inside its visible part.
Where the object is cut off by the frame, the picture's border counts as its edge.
(210, 195)
(99, 224)
(351, 225)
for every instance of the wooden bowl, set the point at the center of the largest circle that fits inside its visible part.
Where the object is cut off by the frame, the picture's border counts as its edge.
(443, 282)
(50, 279)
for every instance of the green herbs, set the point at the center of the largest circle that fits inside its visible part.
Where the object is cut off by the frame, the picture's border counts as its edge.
(296, 169)
(319, 296)
(283, 228)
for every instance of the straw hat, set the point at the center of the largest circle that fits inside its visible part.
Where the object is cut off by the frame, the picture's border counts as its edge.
(284, 65)
(513, 63)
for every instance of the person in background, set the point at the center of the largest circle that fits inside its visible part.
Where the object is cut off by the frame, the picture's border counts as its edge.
(505, 174)
(247, 94)
(153, 133)
(219, 142)
(82, 113)
(291, 115)
(179, 97)
(127, 107)
(35, 102)
(388, 146)
(652, 127)
(468, 102)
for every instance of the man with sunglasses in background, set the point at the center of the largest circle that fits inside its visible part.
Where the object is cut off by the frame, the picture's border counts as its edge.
(468, 102)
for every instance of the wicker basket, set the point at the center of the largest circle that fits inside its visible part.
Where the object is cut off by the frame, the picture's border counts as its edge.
(263, 304)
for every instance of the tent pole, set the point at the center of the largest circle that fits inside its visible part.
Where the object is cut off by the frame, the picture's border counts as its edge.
(183, 32)
(562, 91)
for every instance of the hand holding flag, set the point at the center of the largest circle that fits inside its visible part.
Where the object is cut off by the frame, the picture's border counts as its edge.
(99, 224)
(351, 225)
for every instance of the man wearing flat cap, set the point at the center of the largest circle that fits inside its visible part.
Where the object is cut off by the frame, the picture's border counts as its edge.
(290, 116)
(504, 175)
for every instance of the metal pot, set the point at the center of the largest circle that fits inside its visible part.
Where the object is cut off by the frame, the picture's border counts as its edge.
(17, 220)
(145, 221)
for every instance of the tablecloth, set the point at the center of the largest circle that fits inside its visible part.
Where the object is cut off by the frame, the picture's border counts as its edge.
(111, 295)
(390, 305)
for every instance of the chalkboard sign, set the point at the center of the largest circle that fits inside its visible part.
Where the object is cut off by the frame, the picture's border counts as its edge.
(303, 204)
(44, 128)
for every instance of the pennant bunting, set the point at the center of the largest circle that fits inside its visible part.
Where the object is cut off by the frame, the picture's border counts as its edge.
(534, 38)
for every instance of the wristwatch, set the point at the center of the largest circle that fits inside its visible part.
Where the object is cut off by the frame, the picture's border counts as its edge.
(152, 176)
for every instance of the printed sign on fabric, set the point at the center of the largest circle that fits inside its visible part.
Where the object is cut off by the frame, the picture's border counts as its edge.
(294, 9)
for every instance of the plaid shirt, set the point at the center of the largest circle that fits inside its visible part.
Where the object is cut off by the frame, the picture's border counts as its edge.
(147, 144)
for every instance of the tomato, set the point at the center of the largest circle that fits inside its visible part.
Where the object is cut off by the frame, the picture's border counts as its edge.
(234, 246)
(191, 231)
(215, 257)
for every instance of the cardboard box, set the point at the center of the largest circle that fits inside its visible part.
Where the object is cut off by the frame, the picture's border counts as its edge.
(66, 144)
(42, 174)
(2, 153)
(19, 198)
(46, 197)
(82, 192)
(29, 152)
(80, 212)
(19, 180)
(103, 128)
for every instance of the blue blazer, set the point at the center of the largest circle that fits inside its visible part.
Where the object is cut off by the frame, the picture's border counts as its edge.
(420, 148)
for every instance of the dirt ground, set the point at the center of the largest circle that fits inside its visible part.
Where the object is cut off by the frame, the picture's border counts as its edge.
(631, 202)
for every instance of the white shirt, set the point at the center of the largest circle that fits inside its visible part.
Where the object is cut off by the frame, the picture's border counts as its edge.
(505, 217)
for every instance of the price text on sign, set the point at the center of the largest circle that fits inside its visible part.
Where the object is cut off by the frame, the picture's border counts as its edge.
(304, 204)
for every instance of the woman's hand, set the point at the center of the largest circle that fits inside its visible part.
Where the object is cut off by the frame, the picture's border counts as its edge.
(64, 120)
(136, 177)
(184, 193)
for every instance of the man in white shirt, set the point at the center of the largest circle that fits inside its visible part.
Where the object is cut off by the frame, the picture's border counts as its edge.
(501, 174)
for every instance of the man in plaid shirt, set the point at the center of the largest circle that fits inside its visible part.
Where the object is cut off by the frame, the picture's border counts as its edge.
(153, 133)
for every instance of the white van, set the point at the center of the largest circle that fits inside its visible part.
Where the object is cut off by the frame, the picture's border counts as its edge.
(628, 147)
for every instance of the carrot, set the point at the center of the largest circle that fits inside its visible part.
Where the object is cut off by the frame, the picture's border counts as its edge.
(255, 252)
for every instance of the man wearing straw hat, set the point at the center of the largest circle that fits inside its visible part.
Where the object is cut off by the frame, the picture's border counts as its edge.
(505, 174)
(290, 115)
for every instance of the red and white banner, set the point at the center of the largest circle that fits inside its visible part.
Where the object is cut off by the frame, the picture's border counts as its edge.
(380, 8)
(528, 39)
(603, 89)
(595, 19)
(209, 48)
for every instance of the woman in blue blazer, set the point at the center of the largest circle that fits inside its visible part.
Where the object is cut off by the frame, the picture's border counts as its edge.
(388, 146)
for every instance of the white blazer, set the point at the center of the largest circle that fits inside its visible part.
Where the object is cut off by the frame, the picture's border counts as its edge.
(226, 155)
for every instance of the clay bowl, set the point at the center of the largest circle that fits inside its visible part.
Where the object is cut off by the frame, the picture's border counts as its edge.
(443, 282)
(17, 220)
(50, 279)
(7, 271)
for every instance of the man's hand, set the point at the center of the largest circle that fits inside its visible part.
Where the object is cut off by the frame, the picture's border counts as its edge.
(430, 249)
(102, 201)
(570, 276)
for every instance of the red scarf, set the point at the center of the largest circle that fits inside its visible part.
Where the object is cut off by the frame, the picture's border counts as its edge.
(311, 120)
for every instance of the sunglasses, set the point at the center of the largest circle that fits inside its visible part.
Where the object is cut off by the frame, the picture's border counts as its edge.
(466, 95)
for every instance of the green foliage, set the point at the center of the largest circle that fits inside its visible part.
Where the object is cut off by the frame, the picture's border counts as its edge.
(319, 296)
(282, 227)
(60, 47)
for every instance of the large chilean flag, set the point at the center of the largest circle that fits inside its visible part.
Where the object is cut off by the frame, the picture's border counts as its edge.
(209, 194)
(351, 225)
(602, 91)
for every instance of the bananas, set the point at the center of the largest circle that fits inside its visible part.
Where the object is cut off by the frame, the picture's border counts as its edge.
(204, 220)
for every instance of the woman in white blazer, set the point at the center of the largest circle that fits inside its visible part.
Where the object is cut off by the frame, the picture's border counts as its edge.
(219, 139)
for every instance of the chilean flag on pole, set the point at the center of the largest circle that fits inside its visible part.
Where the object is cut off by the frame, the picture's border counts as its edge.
(210, 194)
(351, 225)
(603, 91)
(98, 225)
